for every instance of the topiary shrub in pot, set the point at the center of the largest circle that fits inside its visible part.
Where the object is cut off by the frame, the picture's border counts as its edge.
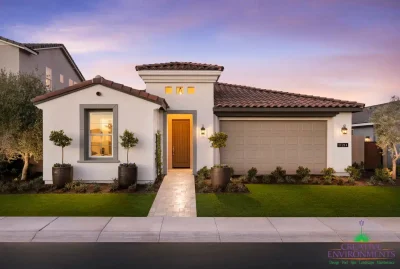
(220, 174)
(127, 172)
(62, 173)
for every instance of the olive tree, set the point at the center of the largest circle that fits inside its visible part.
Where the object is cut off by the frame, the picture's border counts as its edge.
(386, 120)
(20, 121)
(128, 141)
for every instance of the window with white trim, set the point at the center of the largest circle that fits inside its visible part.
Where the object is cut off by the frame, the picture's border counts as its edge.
(61, 78)
(48, 79)
(100, 133)
(70, 82)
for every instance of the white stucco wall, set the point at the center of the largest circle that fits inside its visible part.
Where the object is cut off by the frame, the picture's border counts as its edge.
(9, 57)
(337, 158)
(134, 114)
(201, 101)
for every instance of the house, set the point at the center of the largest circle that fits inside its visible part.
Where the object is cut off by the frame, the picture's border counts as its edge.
(363, 130)
(51, 61)
(187, 103)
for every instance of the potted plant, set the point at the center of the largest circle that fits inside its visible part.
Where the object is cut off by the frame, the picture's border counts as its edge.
(127, 172)
(220, 174)
(62, 172)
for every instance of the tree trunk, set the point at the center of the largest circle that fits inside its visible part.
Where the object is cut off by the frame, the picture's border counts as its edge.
(127, 152)
(394, 168)
(62, 155)
(24, 175)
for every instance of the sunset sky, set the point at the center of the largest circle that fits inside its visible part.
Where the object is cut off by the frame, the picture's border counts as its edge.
(346, 49)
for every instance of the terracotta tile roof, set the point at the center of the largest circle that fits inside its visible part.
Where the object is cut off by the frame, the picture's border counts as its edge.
(237, 96)
(107, 83)
(179, 66)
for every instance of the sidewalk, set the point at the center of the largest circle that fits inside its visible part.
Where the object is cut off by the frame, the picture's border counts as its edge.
(169, 229)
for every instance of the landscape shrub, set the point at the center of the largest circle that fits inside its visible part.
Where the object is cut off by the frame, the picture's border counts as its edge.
(243, 179)
(327, 175)
(354, 172)
(340, 181)
(279, 174)
(38, 184)
(203, 173)
(351, 181)
(115, 185)
(303, 172)
(96, 188)
(132, 188)
(306, 180)
(315, 181)
(382, 174)
(252, 173)
(266, 179)
(290, 180)
(236, 188)
(81, 188)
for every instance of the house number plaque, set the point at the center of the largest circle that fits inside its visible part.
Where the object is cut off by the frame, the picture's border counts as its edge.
(343, 145)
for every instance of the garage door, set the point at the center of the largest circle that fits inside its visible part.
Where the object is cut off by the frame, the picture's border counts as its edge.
(267, 144)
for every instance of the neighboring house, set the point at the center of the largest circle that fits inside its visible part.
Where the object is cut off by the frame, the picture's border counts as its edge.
(362, 127)
(187, 104)
(51, 61)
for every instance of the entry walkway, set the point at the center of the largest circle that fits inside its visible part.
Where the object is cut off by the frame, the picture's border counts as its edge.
(176, 196)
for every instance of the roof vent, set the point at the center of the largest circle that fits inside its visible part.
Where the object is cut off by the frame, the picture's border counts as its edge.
(98, 76)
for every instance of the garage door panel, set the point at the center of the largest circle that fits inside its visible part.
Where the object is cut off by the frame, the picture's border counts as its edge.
(267, 144)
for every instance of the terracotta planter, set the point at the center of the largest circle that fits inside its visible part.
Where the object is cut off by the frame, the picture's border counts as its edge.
(127, 175)
(220, 176)
(62, 176)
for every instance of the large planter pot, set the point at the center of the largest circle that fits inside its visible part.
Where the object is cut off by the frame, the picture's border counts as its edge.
(220, 176)
(62, 176)
(127, 175)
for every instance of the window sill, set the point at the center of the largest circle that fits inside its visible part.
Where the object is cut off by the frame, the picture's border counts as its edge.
(99, 161)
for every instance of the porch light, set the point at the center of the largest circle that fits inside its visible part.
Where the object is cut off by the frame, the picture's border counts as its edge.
(344, 129)
(367, 139)
(202, 130)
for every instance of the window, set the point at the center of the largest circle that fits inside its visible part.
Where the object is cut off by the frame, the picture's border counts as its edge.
(100, 133)
(190, 90)
(75, 82)
(61, 78)
(168, 90)
(70, 82)
(179, 90)
(48, 79)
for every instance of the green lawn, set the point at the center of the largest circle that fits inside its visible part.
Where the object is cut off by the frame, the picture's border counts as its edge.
(133, 205)
(302, 201)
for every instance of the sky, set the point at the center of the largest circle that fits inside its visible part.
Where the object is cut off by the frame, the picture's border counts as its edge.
(346, 49)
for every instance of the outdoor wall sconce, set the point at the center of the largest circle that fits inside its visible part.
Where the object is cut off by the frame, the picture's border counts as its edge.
(367, 139)
(202, 130)
(98, 93)
(344, 129)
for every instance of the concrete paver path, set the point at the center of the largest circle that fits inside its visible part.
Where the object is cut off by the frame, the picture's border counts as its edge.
(191, 229)
(176, 196)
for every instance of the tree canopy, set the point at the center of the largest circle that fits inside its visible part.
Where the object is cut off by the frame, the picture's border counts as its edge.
(20, 120)
(386, 120)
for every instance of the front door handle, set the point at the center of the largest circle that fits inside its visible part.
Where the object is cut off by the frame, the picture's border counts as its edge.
(173, 150)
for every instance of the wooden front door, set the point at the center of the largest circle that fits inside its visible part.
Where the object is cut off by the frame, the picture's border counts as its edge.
(180, 143)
